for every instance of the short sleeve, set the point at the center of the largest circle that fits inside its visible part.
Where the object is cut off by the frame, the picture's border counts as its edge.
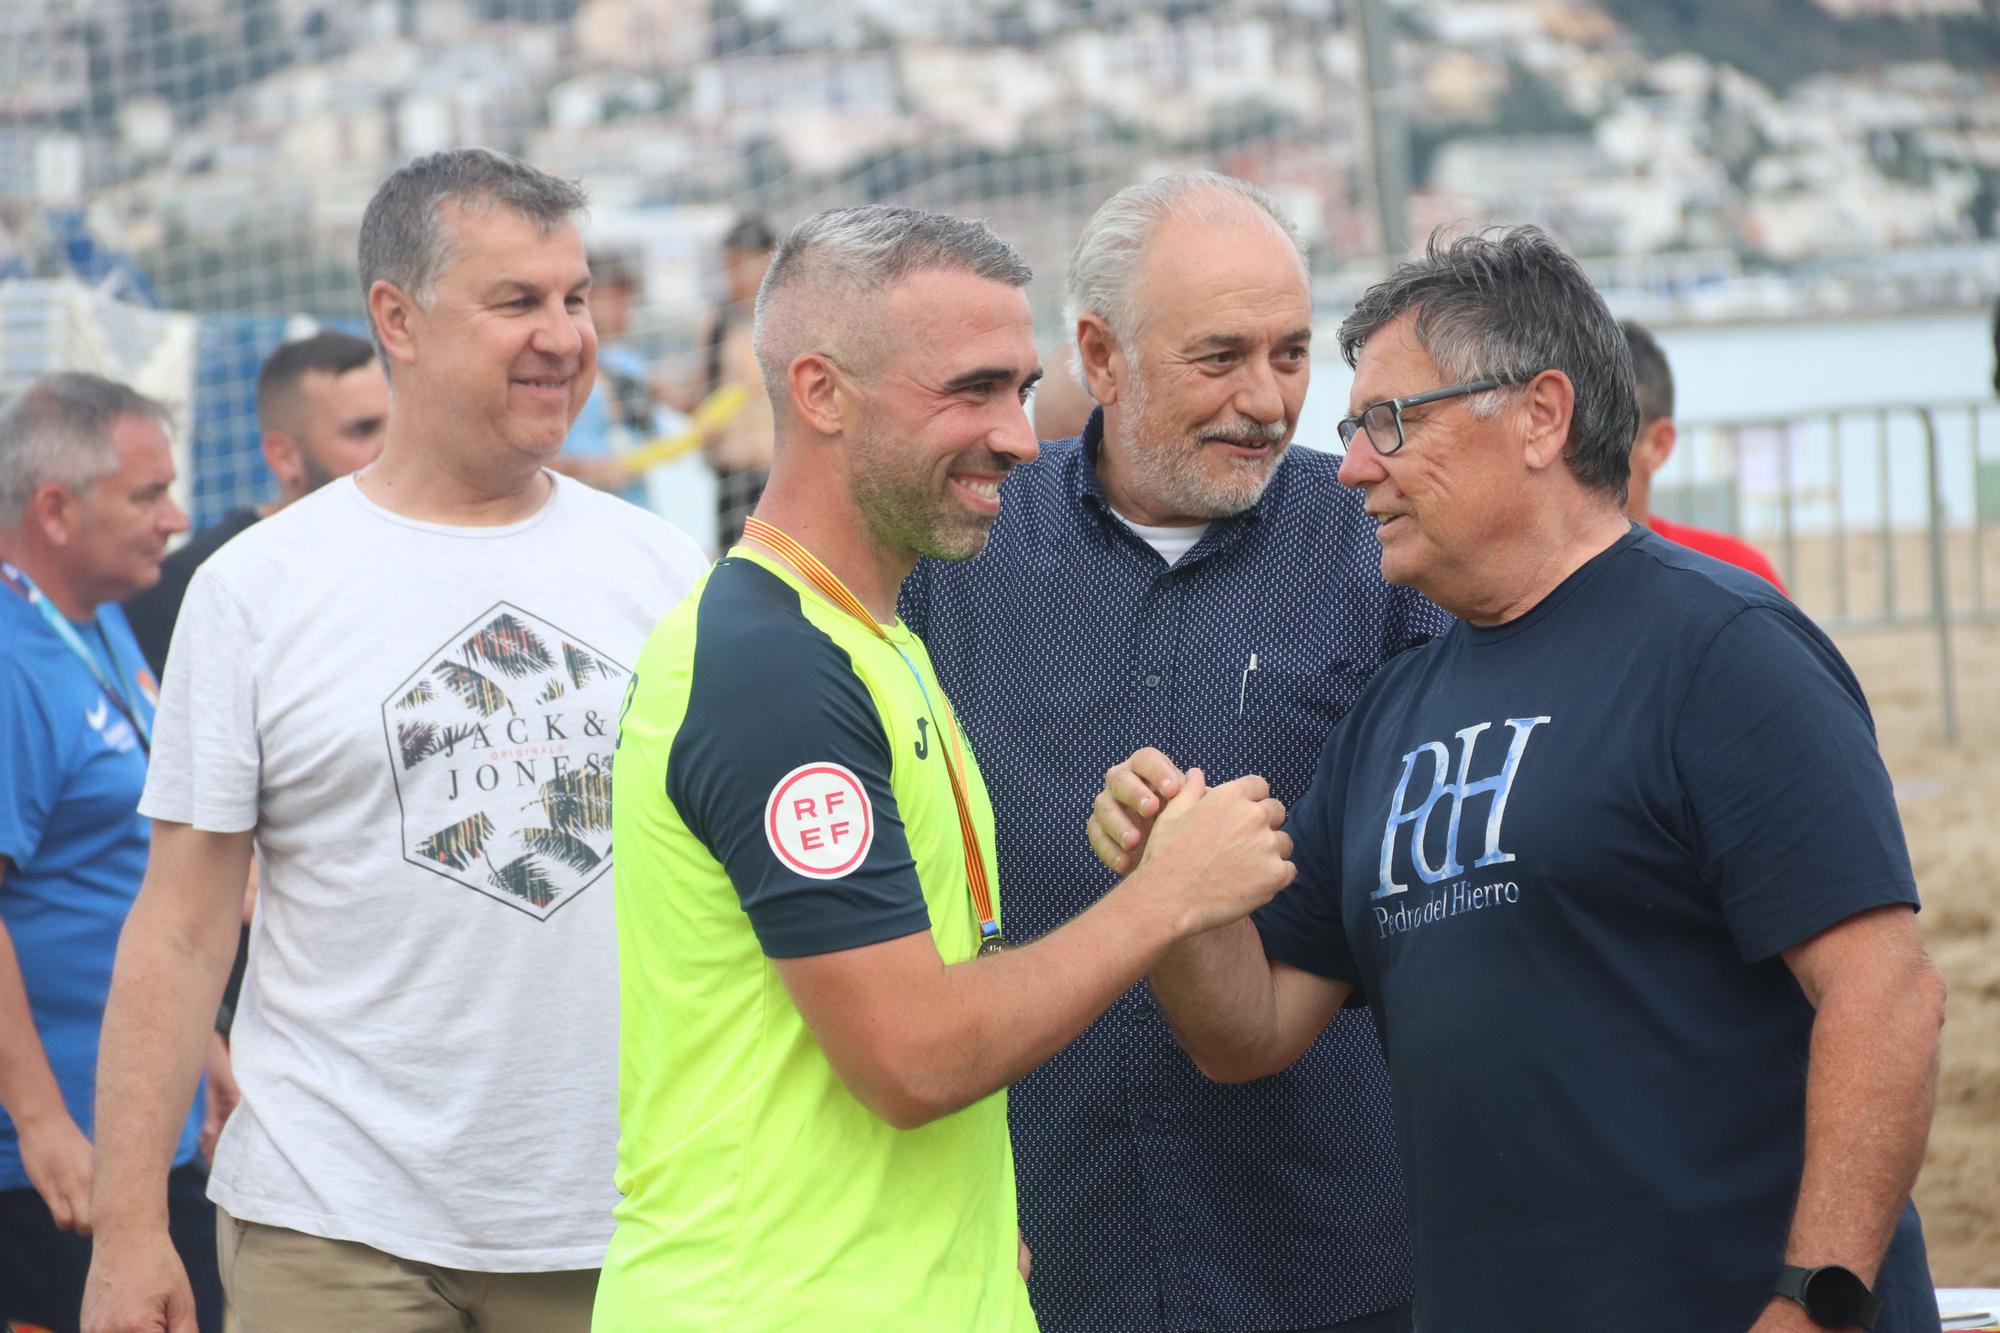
(30, 764)
(206, 767)
(782, 770)
(1794, 814)
(1303, 925)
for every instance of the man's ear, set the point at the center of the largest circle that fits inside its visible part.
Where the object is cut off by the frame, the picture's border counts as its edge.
(285, 457)
(817, 393)
(55, 511)
(1104, 367)
(392, 311)
(1654, 446)
(1548, 402)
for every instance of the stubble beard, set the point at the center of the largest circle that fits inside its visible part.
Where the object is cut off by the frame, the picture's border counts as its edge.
(904, 511)
(316, 473)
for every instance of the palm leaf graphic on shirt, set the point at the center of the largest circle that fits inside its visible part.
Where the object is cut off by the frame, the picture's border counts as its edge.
(420, 693)
(459, 845)
(578, 801)
(571, 851)
(525, 879)
(450, 737)
(555, 689)
(417, 741)
(581, 665)
(479, 693)
(510, 646)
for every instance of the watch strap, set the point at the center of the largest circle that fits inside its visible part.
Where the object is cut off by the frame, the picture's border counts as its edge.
(1822, 1305)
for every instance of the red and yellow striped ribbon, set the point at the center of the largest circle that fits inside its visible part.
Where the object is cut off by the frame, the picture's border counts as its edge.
(829, 586)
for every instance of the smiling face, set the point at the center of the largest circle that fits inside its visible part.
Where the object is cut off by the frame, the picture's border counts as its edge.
(1446, 501)
(505, 348)
(941, 413)
(1202, 406)
(125, 518)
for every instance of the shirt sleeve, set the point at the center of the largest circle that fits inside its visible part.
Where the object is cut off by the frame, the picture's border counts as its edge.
(207, 765)
(30, 765)
(1303, 925)
(780, 766)
(1794, 814)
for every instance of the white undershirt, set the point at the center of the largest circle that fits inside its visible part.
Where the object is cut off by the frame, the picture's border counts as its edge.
(1171, 543)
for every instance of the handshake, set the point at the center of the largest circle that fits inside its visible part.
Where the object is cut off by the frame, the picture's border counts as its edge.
(1210, 855)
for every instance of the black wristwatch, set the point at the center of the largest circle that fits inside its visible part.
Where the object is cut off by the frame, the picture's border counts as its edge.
(1834, 1297)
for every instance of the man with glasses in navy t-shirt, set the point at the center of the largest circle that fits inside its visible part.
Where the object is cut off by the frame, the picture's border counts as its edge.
(1615, 860)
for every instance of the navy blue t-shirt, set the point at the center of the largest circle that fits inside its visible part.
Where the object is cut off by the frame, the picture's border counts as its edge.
(1563, 856)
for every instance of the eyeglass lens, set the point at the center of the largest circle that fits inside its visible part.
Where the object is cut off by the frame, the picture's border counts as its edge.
(1384, 426)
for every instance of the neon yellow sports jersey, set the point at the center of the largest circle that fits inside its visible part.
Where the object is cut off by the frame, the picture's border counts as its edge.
(782, 792)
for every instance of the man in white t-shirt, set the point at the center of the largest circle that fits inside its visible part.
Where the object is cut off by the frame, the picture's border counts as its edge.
(405, 689)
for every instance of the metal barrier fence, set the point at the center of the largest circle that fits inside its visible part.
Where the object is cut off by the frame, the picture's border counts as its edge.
(1877, 517)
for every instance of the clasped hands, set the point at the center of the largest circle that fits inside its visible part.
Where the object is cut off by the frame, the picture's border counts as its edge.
(1223, 847)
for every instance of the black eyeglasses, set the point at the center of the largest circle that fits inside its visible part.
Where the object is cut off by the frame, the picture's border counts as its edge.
(1378, 419)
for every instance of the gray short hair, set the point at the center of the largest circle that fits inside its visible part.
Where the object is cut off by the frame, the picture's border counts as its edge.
(1509, 305)
(58, 430)
(832, 260)
(1104, 267)
(403, 240)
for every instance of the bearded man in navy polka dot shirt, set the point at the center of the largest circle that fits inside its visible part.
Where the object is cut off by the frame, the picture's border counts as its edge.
(1178, 578)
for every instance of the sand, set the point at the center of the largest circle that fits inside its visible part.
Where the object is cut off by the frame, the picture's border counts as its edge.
(1949, 797)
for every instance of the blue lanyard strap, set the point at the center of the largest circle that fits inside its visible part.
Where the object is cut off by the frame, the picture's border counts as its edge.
(18, 581)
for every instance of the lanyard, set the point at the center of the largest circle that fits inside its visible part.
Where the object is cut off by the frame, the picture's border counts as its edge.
(829, 586)
(18, 581)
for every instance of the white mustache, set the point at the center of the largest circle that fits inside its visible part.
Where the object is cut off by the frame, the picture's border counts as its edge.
(1249, 432)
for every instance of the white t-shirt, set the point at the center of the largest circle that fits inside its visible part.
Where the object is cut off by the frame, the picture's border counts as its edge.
(418, 722)
(1170, 543)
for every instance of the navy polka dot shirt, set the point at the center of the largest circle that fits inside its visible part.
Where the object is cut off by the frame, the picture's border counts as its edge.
(1154, 1199)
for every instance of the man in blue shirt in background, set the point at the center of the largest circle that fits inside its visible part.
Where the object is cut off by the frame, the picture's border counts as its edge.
(1178, 578)
(619, 412)
(85, 514)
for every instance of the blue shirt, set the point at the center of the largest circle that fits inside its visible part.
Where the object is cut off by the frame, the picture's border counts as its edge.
(602, 426)
(71, 769)
(1153, 1198)
(1564, 855)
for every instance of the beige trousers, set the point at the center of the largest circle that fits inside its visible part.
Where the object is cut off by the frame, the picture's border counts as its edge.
(282, 1281)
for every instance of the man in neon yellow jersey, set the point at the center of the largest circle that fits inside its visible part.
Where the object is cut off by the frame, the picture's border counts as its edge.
(819, 1013)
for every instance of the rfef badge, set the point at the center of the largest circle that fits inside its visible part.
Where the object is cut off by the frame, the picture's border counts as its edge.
(819, 821)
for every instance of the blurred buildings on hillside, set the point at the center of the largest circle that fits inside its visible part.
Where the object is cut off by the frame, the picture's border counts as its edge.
(233, 143)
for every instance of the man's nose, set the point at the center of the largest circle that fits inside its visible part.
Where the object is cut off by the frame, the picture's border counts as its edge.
(560, 331)
(1260, 398)
(1016, 438)
(1361, 464)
